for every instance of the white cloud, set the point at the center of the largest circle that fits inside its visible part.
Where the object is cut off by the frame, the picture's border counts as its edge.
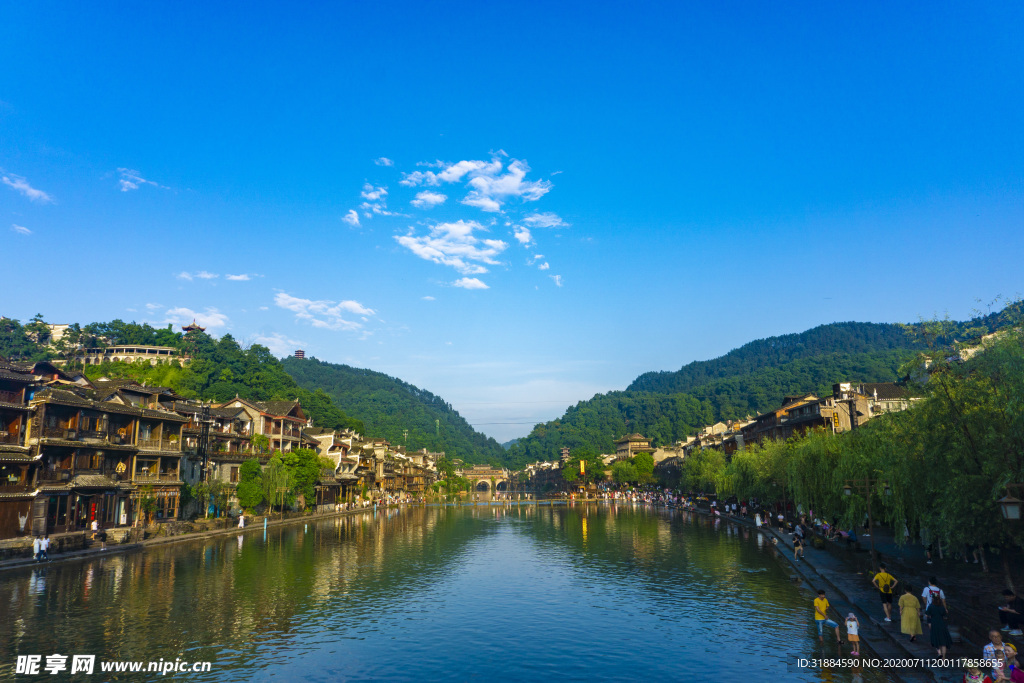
(419, 178)
(244, 277)
(211, 318)
(323, 313)
(131, 180)
(202, 275)
(153, 307)
(545, 220)
(373, 193)
(428, 199)
(20, 185)
(352, 218)
(20, 229)
(278, 344)
(428, 298)
(453, 244)
(545, 266)
(523, 235)
(557, 279)
(470, 283)
(490, 191)
(384, 161)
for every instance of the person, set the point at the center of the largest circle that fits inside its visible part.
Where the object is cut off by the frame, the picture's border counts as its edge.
(44, 547)
(975, 675)
(852, 633)
(241, 521)
(1011, 615)
(910, 614)
(821, 619)
(994, 650)
(885, 583)
(798, 548)
(931, 593)
(757, 520)
(1011, 670)
(939, 632)
(102, 535)
(36, 552)
(782, 522)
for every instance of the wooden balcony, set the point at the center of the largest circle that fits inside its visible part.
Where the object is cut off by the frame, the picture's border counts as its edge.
(10, 397)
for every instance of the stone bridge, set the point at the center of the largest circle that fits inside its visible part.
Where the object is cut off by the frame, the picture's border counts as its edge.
(483, 477)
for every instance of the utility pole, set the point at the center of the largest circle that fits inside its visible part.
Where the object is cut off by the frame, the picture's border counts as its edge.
(204, 440)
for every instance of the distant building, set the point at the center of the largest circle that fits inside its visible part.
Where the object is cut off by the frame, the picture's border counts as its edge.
(630, 445)
(129, 354)
(300, 353)
(193, 327)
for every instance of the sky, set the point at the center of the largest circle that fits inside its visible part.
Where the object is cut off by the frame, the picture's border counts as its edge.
(513, 205)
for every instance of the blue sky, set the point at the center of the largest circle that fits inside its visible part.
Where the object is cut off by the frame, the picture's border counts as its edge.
(513, 205)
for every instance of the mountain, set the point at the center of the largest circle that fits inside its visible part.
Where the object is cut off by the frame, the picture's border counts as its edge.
(388, 407)
(669, 406)
(850, 338)
(509, 444)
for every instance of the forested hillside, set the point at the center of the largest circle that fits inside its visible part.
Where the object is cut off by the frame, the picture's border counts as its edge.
(388, 406)
(849, 338)
(220, 369)
(667, 418)
(669, 406)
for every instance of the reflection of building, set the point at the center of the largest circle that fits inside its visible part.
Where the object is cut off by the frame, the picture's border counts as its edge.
(630, 445)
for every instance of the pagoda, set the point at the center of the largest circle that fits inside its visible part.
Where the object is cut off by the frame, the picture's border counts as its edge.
(193, 327)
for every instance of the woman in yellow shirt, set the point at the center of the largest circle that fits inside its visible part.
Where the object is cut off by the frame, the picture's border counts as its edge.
(910, 614)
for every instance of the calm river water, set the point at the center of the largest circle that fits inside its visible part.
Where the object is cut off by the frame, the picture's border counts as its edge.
(465, 594)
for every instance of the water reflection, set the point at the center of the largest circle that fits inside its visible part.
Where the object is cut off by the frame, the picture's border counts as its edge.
(497, 591)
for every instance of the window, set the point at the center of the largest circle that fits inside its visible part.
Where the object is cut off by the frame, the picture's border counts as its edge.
(234, 475)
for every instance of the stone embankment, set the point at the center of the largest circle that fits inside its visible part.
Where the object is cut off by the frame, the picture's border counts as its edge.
(79, 545)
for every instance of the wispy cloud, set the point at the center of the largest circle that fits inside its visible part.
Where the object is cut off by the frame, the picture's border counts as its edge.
(20, 229)
(428, 298)
(557, 280)
(545, 266)
(132, 180)
(372, 193)
(154, 307)
(278, 344)
(545, 220)
(383, 161)
(210, 318)
(470, 283)
(244, 277)
(20, 185)
(202, 275)
(453, 244)
(324, 313)
(428, 199)
(489, 186)
(490, 192)
(352, 218)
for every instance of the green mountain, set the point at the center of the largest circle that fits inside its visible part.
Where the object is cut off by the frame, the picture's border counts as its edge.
(848, 338)
(389, 407)
(669, 406)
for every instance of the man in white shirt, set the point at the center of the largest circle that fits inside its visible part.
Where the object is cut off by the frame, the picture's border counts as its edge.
(932, 592)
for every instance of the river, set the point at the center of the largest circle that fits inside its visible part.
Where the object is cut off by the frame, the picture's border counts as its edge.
(483, 593)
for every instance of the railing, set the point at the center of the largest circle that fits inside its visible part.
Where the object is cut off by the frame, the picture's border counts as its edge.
(16, 486)
(10, 437)
(60, 433)
(10, 397)
(145, 476)
(149, 443)
(92, 434)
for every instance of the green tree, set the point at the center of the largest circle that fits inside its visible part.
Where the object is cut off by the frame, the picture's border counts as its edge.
(624, 472)
(250, 484)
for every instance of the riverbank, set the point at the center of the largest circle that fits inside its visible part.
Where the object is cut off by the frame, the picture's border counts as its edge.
(849, 588)
(94, 549)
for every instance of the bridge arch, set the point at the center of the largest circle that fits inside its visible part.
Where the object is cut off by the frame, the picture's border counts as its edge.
(483, 485)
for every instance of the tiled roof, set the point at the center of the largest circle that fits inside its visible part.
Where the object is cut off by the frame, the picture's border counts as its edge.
(276, 407)
(94, 481)
(15, 376)
(886, 390)
(67, 397)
